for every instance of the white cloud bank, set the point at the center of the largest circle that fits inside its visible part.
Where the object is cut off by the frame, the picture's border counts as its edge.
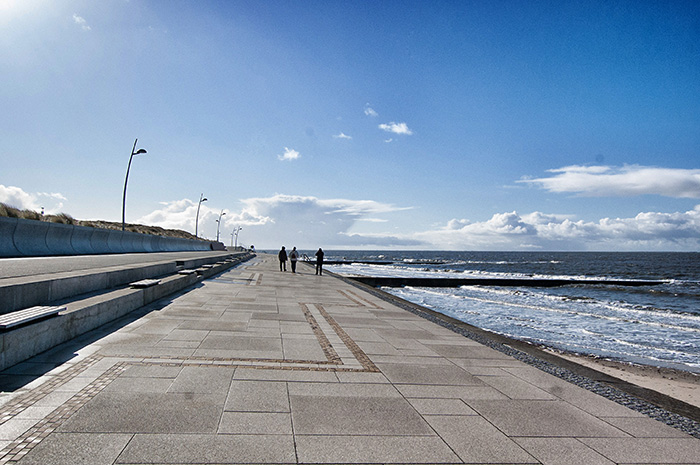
(270, 222)
(342, 135)
(629, 180)
(182, 214)
(309, 222)
(679, 231)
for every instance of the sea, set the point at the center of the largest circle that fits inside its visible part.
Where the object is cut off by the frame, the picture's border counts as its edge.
(657, 325)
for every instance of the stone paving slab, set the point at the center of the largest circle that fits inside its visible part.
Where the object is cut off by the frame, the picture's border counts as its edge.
(261, 366)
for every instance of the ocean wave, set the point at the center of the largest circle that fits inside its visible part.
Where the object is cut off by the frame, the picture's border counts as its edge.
(648, 324)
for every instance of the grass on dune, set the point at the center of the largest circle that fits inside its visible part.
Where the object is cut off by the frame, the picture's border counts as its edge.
(64, 218)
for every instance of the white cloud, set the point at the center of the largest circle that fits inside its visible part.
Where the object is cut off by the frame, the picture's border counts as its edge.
(177, 214)
(370, 112)
(310, 222)
(396, 128)
(289, 155)
(182, 214)
(79, 20)
(455, 224)
(510, 231)
(629, 180)
(18, 198)
(342, 136)
(373, 220)
(269, 222)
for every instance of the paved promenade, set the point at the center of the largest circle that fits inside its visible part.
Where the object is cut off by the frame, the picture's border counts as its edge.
(259, 366)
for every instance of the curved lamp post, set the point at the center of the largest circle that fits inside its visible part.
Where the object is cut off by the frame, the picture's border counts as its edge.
(237, 231)
(196, 221)
(218, 223)
(133, 152)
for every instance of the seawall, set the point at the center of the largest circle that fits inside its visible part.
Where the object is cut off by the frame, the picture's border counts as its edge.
(31, 238)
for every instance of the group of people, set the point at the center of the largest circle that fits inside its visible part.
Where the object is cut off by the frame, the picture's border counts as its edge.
(294, 256)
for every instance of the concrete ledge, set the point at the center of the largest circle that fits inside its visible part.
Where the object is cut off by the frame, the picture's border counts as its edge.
(198, 262)
(19, 293)
(93, 311)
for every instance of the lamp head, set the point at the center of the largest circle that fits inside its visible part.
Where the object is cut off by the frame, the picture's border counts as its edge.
(140, 151)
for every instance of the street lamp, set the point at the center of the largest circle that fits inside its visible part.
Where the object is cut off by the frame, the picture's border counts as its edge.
(237, 231)
(133, 152)
(196, 221)
(218, 223)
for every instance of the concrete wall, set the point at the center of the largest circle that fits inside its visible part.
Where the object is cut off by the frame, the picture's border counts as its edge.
(31, 238)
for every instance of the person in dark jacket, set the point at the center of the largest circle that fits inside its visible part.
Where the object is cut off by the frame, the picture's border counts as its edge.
(319, 262)
(293, 257)
(283, 259)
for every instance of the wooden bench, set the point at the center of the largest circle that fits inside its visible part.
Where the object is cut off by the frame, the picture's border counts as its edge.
(145, 283)
(12, 319)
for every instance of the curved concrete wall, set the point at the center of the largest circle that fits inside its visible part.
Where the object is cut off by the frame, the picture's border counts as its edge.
(80, 241)
(7, 234)
(98, 241)
(58, 239)
(30, 238)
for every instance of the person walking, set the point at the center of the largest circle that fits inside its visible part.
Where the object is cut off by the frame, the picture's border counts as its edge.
(283, 259)
(293, 257)
(319, 262)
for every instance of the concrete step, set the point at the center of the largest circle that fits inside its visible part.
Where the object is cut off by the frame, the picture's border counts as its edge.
(87, 311)
(28, 291)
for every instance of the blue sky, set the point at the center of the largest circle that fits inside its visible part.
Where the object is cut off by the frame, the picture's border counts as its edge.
(499, 125)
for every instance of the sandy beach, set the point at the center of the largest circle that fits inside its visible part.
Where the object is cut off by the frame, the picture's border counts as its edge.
(681, 385)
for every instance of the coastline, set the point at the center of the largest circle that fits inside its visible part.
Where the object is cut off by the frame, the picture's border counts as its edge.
(670, 389)
(678, 384)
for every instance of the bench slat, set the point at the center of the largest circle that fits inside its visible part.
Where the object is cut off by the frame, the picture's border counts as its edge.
(8, 320)
(145, 283)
